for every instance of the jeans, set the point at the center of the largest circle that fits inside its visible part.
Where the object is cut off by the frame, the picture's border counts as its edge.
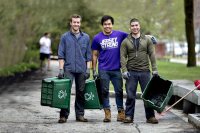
(116, 78)
(79, 100)
(131, 87)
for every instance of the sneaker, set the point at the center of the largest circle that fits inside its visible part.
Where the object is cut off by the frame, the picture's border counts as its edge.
(81, 119)
(152, 120)
(62, 120)
(128, 119)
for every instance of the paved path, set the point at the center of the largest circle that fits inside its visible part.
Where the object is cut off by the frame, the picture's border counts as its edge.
(21, 112)
(182, 61)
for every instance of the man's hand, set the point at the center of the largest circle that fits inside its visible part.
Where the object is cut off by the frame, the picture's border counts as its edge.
(61, 74)
(126, 75)
(95, 74)
(87, 74)
(154, 40)
(155, 74)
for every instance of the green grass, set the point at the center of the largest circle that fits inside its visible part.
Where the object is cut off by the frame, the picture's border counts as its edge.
(18, 68)
(173, 71)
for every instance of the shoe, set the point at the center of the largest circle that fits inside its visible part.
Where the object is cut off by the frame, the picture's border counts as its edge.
(121, 115)
(107, 115)
(128, 119)
(152, 120)
(62, 120)
(81, 119)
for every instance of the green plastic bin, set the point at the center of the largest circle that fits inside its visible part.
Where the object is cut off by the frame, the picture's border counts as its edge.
(56, 92)
(92, 100)
(157, 93)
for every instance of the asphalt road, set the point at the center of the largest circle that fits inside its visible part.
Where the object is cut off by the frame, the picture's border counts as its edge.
(21, 112)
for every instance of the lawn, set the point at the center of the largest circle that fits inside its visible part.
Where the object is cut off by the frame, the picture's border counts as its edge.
(172, 71)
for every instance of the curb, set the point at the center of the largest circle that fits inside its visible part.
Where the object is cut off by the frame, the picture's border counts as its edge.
(112, 94)
(194, 119)
(138, 94)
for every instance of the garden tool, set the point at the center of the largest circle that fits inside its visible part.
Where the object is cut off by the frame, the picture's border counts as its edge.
(197, 84)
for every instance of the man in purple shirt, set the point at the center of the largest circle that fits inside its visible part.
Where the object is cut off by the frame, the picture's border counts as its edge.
(106, 48)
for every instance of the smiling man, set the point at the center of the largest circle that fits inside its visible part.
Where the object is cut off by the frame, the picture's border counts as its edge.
(106, 48)
(74, 54)
(137, 50)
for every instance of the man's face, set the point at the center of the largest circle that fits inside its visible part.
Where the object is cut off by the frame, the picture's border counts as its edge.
(135, 28)
(107, 26)
(75, 24)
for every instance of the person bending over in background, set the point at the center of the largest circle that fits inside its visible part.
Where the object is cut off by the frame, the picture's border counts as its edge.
(45, 50)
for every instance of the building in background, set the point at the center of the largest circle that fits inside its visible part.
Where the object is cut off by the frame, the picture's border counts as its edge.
(197, 25)
(197, 20)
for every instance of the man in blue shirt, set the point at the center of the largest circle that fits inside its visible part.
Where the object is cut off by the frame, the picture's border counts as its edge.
(74, 55)
(106, 48)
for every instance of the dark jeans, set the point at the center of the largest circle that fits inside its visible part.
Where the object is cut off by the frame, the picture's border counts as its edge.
(79, 100)
(131, 87)
(116, 78)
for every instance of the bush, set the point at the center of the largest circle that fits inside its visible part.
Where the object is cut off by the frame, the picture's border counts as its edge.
(19, 68)
(32, 56)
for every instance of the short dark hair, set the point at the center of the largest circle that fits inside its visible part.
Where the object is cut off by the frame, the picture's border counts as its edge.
(75, 16)
(134, 20)
(46, 33)
(105, 18)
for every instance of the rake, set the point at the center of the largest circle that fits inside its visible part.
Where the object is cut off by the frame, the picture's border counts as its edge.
(197, 84)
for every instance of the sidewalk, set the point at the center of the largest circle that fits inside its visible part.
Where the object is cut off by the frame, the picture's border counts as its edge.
(182, 61)
(21, 112)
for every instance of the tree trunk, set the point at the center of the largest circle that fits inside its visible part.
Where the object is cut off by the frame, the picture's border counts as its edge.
(189, 26)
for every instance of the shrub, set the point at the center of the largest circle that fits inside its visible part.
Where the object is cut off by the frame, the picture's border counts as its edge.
(18, 68)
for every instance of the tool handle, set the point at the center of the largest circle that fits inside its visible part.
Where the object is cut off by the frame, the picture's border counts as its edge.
(181, 98)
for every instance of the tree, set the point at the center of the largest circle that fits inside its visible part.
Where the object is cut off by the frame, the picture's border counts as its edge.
(189, 26)
(24, 22)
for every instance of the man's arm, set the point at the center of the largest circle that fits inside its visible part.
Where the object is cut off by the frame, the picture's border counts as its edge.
(95, 54)
(61, 71)
(88, 64)
(61, 57)
(41, 42)
(152, 57)
(61, 63)
(123, 57)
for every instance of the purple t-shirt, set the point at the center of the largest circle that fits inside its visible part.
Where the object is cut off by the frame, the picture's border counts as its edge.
(109, 49)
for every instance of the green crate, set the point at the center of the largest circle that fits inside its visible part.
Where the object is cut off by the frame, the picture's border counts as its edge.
(157, 93)
(91, 96)
(56, 92)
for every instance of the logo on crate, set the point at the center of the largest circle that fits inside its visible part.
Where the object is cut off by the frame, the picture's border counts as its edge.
(89, 96)
(62, 94)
